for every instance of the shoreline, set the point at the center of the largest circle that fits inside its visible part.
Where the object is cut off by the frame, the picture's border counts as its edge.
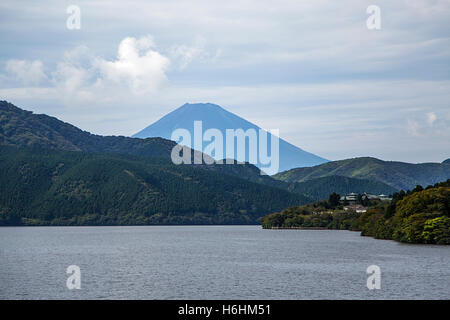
(298, 228)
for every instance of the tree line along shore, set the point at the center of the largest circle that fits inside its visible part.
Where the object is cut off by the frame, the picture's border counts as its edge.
(421, 215)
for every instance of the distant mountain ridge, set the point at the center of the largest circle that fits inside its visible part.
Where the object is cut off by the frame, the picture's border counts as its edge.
(321, 188)
(214, 116)
(399, 175)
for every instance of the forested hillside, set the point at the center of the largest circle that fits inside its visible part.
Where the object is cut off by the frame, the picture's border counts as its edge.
(50, 187)
(420, 216)
(398, 175)
(321, 188)
(417, 216)
(23, 128)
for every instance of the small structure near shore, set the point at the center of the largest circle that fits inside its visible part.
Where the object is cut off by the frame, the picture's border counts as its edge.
(353, 197)
(356, 207)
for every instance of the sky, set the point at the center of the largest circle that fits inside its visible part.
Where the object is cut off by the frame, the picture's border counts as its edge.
(312, 69)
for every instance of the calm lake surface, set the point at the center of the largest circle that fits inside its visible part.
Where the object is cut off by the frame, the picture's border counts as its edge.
(215, 262)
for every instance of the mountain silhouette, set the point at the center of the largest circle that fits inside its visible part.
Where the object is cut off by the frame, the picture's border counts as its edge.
(213, 116)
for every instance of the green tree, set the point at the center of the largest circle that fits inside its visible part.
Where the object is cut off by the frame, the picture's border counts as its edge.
(437, 230)
(334, 200)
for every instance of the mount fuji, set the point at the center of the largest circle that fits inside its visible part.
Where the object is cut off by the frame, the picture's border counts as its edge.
(216, 117)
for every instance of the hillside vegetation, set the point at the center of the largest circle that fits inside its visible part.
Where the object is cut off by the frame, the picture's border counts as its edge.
(417, 216)
(321, 188)
(398, 175)
(421, 216)
(49, 187)
(325, 214)
(23, 128)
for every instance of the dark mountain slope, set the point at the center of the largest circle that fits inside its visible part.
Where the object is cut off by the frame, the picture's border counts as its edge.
(43, 186)
(23, 128)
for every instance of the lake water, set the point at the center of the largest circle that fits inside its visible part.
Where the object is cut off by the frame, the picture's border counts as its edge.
(215, 262)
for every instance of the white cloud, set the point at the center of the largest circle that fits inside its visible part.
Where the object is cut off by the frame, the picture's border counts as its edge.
(81, 76)
(413, 127)
(75, 77)
(73, 83)
(138, 65)
(431, 118)
(70, 77)
(185, 54)
(27, 72)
